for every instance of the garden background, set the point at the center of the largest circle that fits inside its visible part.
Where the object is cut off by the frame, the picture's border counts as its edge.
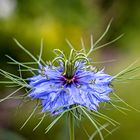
(54, 21)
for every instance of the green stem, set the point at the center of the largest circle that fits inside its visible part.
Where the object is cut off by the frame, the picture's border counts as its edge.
(71, 126)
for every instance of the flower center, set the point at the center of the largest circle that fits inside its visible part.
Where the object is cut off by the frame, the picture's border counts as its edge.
(69, 80)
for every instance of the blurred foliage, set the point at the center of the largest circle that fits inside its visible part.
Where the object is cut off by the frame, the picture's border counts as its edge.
(6, 135)
(54, 21)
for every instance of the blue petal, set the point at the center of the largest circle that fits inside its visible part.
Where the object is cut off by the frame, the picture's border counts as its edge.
(84, 76)
(75, 95)
(88, 102)
(60, 101)
(36, 80)
(56, 102)
(102, 89)
(102, 78)
(53, 73)
(43, 89)
(99, 97)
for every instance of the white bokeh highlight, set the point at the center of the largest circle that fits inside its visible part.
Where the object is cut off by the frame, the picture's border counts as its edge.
(7, 8)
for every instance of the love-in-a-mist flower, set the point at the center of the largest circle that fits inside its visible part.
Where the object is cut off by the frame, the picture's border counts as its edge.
(73, 82)
(68, 85)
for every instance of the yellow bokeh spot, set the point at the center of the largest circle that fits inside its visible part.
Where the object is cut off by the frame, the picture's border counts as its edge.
(51, 32)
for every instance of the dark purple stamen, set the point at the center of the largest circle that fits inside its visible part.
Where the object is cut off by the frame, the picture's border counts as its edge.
(68, 80)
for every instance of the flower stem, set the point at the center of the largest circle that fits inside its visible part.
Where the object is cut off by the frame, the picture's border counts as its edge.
(71, 126)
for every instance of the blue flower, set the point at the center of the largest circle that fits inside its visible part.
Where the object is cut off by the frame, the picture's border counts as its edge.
(59, 88)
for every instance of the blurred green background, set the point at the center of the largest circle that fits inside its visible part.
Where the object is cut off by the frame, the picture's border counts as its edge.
(55, 20)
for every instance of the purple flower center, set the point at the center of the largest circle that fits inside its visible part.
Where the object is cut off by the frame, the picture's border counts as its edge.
(68, 80)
